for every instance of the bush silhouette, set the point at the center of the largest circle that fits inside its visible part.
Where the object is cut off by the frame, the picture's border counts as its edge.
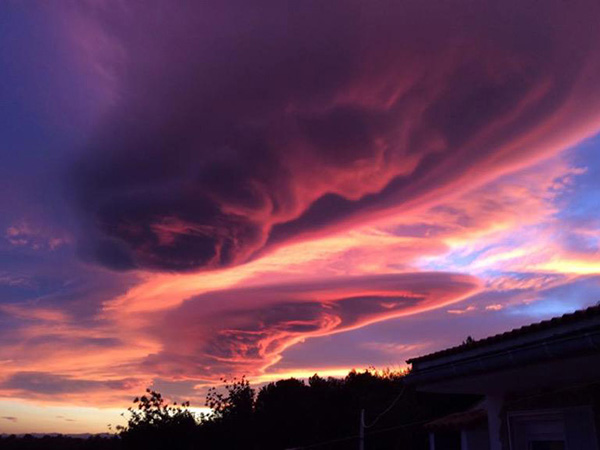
(155, 424)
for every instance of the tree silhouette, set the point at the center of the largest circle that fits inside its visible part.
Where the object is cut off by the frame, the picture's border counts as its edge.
(293, 413)
(232, 422)
(288, 413)
(153, 423)
(236, 405)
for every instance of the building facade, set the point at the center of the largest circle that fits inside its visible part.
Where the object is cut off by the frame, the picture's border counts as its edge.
(540, 386)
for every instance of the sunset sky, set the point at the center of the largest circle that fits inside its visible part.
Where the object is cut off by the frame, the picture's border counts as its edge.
(196, 190)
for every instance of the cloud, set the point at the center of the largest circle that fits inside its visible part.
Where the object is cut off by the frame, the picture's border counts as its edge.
(10, 418)
(245, 330)
(392, 348)
(66, 419)
(51, 384)
(238, 128)
(494, 307)
(465, 310)
(252, 319)
(22, 234)
(7, 279)
(297, 152)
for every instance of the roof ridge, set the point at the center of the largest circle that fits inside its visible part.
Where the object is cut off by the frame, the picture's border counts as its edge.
(590, 311)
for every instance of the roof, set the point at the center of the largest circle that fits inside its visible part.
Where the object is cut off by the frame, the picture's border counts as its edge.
(583, 314)
(470, 418)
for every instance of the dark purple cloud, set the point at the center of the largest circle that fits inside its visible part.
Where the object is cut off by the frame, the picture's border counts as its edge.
(237, 127)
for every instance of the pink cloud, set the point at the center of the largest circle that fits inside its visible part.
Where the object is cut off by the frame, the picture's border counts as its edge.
(246, 330)
(465, 310)
(494, 307)
(23, 234)
(252, 134)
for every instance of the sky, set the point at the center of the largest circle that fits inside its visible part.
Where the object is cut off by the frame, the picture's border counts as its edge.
(198, 190)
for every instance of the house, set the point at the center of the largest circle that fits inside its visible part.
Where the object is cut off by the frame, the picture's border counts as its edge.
(540, 386)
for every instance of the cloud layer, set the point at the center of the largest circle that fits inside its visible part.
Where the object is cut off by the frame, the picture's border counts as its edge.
(245, 330)
(218, 189)
(239, 127)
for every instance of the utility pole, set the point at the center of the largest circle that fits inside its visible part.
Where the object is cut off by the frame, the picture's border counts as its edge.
(361, 431)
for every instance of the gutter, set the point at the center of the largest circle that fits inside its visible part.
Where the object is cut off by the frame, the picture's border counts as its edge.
(548, 349)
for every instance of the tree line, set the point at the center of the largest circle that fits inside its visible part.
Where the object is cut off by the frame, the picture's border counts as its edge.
(319, 413)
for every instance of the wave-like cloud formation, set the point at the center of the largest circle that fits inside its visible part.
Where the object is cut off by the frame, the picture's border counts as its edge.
(187, 329)
(245, 330)
(236, 127)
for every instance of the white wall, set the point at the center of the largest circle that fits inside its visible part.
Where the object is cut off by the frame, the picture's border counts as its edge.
(493, 406)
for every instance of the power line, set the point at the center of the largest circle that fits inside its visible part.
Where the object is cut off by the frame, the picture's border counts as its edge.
(356, 436)
(363, 426)
(397, 427)
(385, 411)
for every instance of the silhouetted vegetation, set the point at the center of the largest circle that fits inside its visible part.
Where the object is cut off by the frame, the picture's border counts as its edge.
(291, 414)
(30, 442)
(155, 424)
